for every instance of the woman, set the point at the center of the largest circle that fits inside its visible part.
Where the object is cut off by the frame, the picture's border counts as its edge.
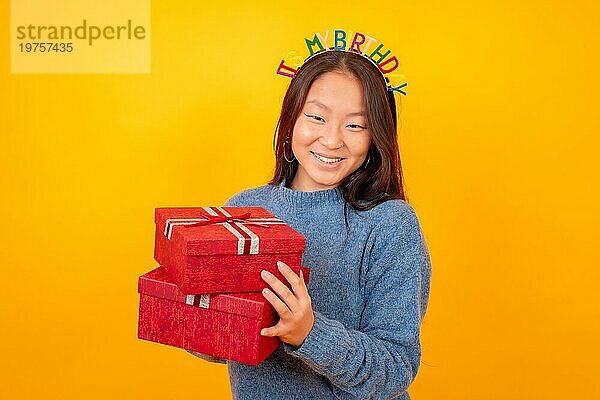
(354, 332)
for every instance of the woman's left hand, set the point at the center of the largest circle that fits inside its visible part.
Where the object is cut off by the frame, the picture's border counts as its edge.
(296, 317)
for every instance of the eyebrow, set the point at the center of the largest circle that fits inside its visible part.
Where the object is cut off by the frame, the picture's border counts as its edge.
(321, 105)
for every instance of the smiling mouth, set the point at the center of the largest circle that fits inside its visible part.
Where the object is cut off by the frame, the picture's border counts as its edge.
(326, 159)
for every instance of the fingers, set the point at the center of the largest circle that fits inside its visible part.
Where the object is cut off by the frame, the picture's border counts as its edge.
(282, 309)
(268, 331)
(281, 290)
(297, 282)
(271, 331)
(293, 306)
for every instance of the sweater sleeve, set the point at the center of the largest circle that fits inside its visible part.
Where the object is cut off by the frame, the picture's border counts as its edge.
(208, 358)
(381, 358)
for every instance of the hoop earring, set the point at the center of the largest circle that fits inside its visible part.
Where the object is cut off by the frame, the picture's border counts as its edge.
(285, 156)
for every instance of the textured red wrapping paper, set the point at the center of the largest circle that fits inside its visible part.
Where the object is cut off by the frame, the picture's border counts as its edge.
(223, 257)
(229, 328)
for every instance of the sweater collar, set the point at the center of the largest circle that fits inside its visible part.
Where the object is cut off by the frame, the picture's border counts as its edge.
(316, 199)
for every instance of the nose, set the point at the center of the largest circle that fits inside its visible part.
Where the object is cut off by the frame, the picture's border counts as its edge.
(332, 137)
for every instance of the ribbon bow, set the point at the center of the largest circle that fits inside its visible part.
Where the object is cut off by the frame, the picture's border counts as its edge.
(215, 219)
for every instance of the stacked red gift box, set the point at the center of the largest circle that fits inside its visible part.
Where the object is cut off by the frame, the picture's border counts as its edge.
(205, 296)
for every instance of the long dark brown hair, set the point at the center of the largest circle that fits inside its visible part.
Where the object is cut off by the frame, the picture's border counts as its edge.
(379, 178)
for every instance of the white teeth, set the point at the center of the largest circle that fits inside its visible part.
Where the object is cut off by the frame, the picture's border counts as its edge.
(328, 160)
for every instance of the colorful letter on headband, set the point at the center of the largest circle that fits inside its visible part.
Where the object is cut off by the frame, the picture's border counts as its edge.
(354, 42)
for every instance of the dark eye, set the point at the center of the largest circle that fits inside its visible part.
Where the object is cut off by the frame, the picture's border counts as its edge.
(356, 126)
(316, 117)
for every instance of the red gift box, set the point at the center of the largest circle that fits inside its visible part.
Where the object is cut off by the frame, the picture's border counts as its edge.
(225, 326)
(223, 249)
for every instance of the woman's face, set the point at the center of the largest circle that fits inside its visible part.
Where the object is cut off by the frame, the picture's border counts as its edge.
(330, 138)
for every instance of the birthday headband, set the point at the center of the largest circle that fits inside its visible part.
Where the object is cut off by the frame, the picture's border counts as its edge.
(385, 63)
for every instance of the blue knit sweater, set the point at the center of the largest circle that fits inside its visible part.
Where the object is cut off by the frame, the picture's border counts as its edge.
(369, 289)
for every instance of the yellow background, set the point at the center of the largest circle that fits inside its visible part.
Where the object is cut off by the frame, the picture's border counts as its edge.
(499, 144)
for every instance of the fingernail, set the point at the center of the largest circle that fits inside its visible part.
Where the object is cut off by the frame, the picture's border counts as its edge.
(279, 264)
(264, 273)
(262, 332)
